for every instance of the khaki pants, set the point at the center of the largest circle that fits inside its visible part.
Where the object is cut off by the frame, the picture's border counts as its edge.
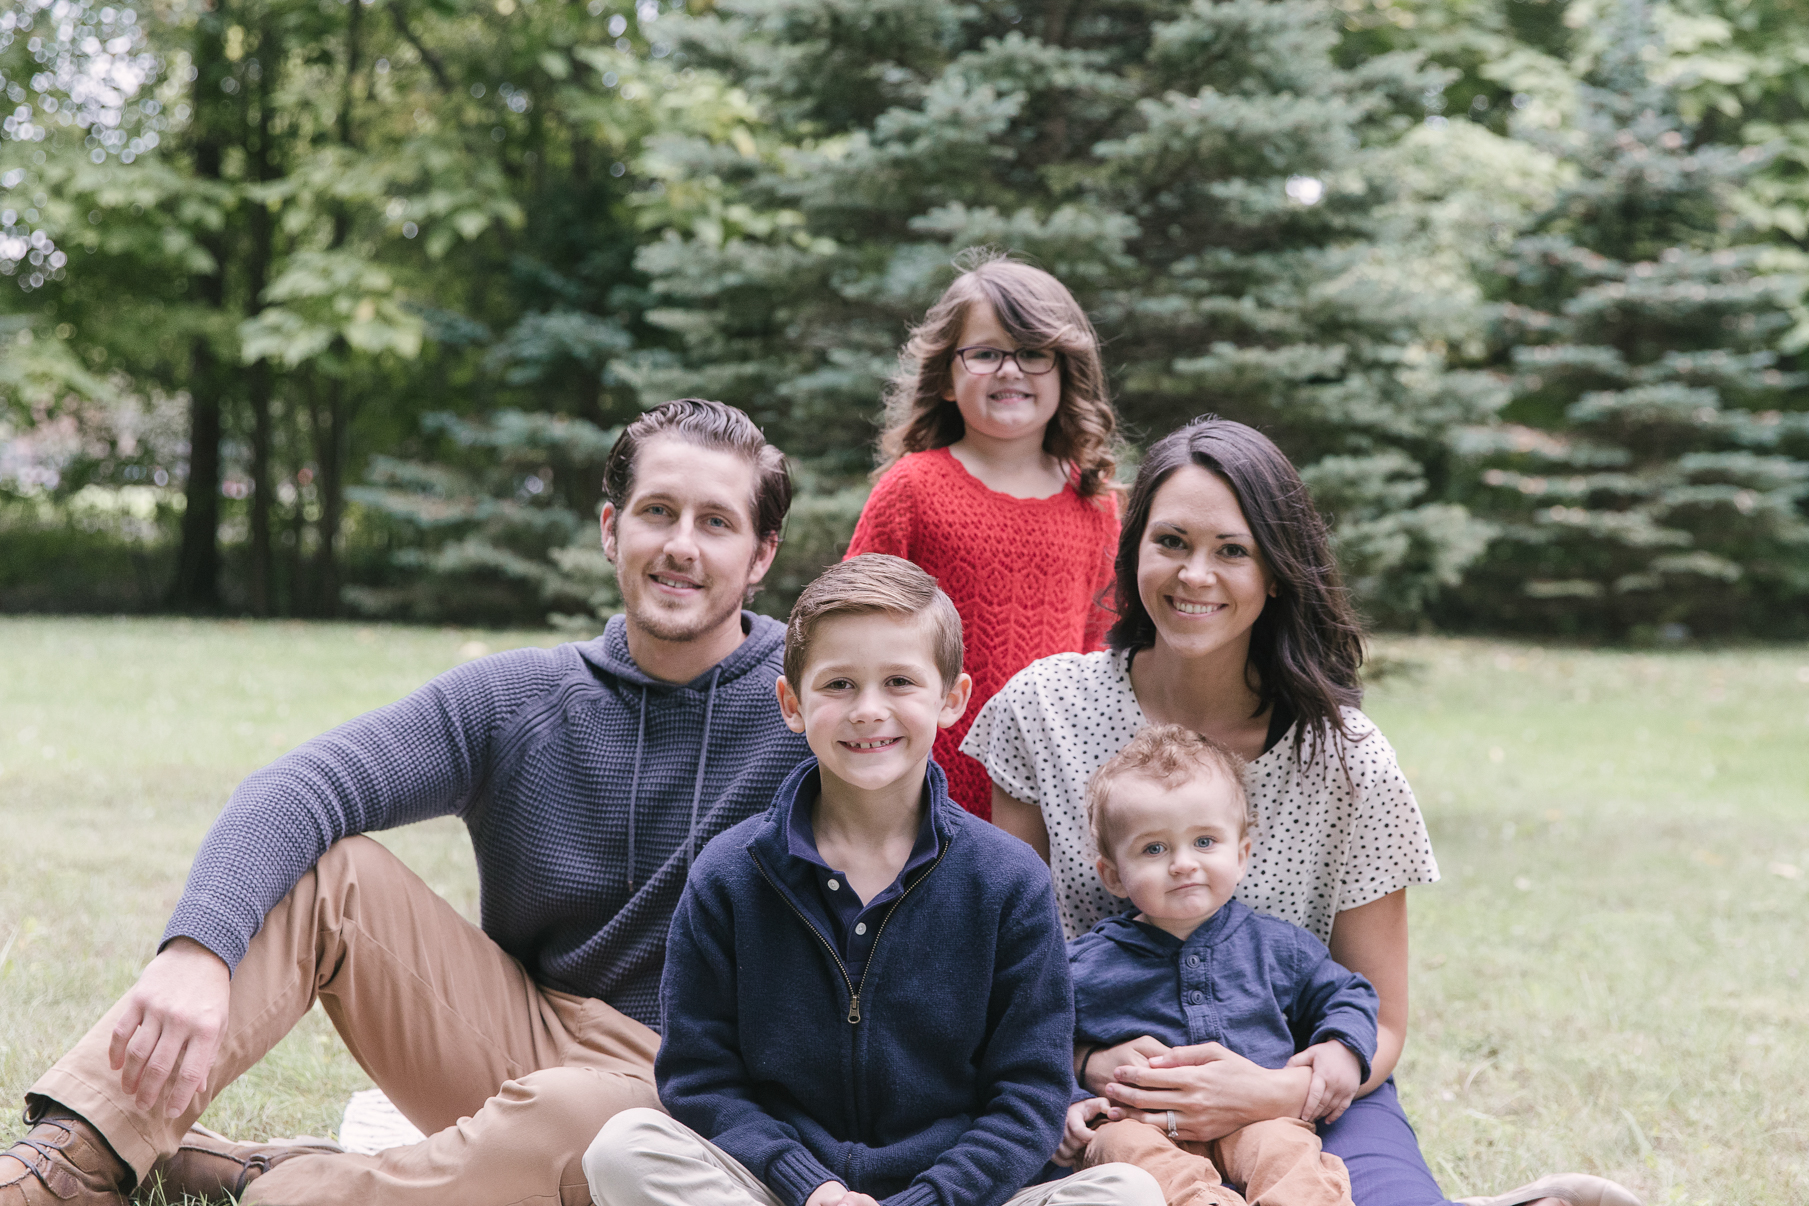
(644, 1158)
(1279, 1163)
(510, 1081)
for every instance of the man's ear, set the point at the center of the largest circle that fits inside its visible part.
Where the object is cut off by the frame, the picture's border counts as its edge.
(1108, 875)
(763, 560)
(790, 709)
(607, 522)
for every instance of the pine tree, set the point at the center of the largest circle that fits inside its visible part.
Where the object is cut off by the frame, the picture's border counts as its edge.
(1651, 474)
(1208, 177)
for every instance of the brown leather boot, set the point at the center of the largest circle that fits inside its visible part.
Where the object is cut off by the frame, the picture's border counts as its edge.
(62, 1161)
(211, 1167)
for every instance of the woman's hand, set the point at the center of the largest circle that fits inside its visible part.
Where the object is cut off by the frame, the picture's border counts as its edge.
(1211, 1089)
(1336, 1077)
(1101, 1067)
(1076, 1134)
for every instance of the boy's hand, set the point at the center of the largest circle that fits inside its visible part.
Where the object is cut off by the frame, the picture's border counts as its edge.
(1336, 1078)
(1077, 1134)
(834, 1193)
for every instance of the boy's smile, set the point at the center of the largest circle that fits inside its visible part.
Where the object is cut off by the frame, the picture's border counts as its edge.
(1178, 850)
(871, 701)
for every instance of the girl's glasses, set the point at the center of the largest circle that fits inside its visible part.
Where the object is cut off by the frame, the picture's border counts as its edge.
(983, 361)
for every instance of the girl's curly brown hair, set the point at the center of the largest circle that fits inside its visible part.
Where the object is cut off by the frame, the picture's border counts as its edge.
(1037, 311)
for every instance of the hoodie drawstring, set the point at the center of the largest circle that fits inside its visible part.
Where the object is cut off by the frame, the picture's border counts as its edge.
(634, 782)
(703, 760)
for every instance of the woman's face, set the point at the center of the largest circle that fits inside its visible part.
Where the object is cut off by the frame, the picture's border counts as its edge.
(1199, 573)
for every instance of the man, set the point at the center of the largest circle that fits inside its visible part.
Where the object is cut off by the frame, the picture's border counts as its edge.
(589, 776)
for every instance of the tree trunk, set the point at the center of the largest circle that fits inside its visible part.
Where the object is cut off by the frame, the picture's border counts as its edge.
(330, 448)
(332, 437)
(259, 382)
(197, 583)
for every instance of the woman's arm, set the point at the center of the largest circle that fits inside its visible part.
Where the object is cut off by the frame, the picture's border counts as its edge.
(1022, 821)
(1211, 1089)
(1371, 940)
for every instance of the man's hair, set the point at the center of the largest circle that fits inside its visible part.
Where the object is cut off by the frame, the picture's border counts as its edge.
(708, 425)
(868, 584)
(1169, 754)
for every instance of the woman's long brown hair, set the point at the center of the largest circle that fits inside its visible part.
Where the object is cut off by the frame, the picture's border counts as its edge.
(1037, 311)
(1306, 647)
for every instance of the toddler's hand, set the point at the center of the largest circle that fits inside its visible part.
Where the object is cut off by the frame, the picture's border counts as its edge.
(1076, 1134)
(1336, 1078)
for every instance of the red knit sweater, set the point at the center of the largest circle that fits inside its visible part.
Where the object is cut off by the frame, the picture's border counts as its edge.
(1026, 574)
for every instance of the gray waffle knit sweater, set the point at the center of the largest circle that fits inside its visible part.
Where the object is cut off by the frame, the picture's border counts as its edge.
(587, 787)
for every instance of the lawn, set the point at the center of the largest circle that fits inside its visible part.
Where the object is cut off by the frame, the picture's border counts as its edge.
(1609, 978)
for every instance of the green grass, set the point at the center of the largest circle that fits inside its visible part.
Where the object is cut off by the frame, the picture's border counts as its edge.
(1609, 978)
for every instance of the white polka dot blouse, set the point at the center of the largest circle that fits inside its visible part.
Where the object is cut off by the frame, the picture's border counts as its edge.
(1327, 840)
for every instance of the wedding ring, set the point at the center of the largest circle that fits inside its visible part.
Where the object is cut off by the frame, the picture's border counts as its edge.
(1172, 1132)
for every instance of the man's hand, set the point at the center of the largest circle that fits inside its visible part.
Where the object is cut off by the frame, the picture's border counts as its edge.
(165, 1042)
(1336, 1078)
(1076, 1134)
(834, 1193)
(1106, 1061)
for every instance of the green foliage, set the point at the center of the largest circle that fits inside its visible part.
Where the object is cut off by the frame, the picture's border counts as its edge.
(498, 527)
(1653, 469)
(1207, 177)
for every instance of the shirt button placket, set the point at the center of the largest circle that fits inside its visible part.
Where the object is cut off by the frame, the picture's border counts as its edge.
(1193, 998)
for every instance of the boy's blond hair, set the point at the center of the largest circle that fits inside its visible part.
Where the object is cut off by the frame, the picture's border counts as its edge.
(864, 585)
(1168, 754)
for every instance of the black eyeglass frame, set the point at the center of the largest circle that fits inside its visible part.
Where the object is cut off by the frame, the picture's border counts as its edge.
(1012, 354)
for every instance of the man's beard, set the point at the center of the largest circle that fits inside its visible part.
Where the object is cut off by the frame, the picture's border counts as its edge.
(661, 627)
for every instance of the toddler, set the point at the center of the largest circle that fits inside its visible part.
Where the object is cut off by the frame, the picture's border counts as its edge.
(1172, 826)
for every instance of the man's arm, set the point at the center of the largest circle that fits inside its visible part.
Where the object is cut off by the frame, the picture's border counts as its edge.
(417, 758)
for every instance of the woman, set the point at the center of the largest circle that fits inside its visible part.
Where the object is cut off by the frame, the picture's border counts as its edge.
(1233, 623)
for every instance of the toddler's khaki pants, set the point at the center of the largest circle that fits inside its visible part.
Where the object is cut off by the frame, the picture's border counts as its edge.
(1279, 1163)
(509, 1081)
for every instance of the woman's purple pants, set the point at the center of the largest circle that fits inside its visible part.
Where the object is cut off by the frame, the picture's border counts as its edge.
(1377, 1144)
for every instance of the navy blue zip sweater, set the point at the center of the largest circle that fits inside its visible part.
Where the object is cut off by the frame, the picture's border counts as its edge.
(587, 787)
(950, 1087)
(1262, 987)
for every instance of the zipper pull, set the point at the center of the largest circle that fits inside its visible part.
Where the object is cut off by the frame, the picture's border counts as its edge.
(854, 1009)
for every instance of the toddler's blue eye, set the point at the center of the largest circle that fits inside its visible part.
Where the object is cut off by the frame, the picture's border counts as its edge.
(1204, 843)
(1154, 848)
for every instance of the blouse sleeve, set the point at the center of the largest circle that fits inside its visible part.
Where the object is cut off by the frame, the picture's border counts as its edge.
(1099, 618)
(1000, 740)
(886, 518)
(1388, 847)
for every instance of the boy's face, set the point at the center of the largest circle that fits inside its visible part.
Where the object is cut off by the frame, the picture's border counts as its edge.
(1178, 850)
(871, 699)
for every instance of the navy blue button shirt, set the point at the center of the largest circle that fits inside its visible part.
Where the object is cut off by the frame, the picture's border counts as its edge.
(856, 924)
(1261, 986)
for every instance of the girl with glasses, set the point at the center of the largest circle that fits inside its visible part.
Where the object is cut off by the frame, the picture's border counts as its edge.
(995, 476)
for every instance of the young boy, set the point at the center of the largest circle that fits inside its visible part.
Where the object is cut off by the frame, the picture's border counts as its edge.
(1172, 825)
(865, 994)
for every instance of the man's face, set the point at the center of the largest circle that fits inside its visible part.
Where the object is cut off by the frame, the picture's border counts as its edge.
(684, 543)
